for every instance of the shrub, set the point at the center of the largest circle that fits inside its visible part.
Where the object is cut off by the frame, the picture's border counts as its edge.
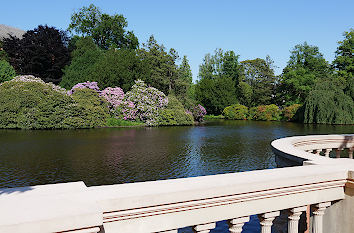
(148, 102)
(113, 95)
(114, 122)
(289, 112)
(198, 113)
(89, 85)
(93, 109)
(27, 102)
(7, 72)
(265, 113)
(236, 112)
(174, 114)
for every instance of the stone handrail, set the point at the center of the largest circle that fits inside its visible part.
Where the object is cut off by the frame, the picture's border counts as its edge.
(167, 205)
(308, 148)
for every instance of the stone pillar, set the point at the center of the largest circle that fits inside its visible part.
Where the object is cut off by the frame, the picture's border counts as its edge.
(294, 217)
(338, 153)
(236, 224)
(350, 152)
(266, 221)
(204, 228)
(319, 209)
(326, 152)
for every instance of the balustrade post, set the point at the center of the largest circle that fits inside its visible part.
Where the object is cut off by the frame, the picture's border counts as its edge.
(316, 152)
(338, 153)
(236, 224)
(204, 228)
(326, 152)
(294, 217)
(266, 221)
(350, 152)
(319, 209)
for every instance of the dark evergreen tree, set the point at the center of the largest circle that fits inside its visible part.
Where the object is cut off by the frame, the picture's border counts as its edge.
(42, 52)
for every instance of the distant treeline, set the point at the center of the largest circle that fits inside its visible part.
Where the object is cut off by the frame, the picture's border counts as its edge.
(97, 47)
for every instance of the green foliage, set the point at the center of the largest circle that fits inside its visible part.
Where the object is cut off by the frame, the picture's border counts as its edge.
(305, 67)
(3, 54)
(236, 112)
(114, 122)
(216, 94)
(91, 107)
(163, 69)
(219, 76)
(107, 31)
(259, 75)
(119, 68)
(212, 117)
(289, 112)
(109, 68)
(174, 114)
(328, 104)
(81, 68)
(37, 105)
(7, 72)
(265, 113)
(344, 62)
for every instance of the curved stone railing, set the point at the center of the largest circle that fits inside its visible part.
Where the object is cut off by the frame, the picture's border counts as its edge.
(314, 149)
(199, 202)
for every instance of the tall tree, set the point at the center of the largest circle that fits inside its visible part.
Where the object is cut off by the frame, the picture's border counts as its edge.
(163, 68)
(42, 52)
(259, 75)
(108, 31)
(184, 81)
(305, 66)
(344, 62)
(218, 78)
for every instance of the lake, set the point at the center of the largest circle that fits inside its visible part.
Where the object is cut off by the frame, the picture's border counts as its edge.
(120, 155)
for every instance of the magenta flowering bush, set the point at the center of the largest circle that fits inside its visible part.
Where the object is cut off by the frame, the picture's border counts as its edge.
(198, 113)
(90, 85)
(113, 95)
(148, 102)
(126, 111)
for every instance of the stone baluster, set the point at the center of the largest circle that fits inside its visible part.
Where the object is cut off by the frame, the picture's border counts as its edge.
(319, 209)
(294, 217)
(266, 221)
(338, 153)
(316, 152)
(236, 224)
(204, 228)
(350, 152)
(327, 151)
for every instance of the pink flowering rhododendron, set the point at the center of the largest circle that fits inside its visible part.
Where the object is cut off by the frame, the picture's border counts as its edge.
(113, 95)
(90, 85)
(199, 112)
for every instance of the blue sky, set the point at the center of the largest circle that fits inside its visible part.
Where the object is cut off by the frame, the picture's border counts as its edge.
(250, 28)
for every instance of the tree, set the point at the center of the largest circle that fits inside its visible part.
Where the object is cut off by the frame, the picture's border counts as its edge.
(216, 94)
(110, 68)
(259, 75)
(107, 31)
(218, 78)
(328, 104)
(163, 68)
(344, 62)
(7, 72)
(42, 52)
(184, 90)
(305, 66)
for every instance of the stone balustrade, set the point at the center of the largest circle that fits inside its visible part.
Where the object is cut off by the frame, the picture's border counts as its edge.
(199, 202)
